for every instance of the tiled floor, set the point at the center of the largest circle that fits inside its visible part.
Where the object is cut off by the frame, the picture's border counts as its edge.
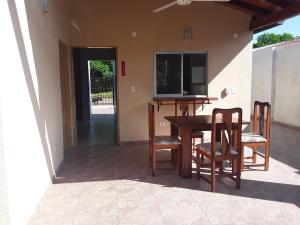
(101, 129)
(112, 185)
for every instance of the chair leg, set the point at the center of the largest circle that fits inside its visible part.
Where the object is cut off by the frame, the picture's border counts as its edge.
(150, 161)
(267, 156)
(213, 176)
(179, 161)
(221, 167)
(153, 164)
(173, 156)
(202, 142)
(202, 158)
(254, 154)
(198, 164)
(238, 174)
(242, 159)
(150, 156)
(193, 143)
(234, 166)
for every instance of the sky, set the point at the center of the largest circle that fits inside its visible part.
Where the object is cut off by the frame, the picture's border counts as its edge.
(290, 26)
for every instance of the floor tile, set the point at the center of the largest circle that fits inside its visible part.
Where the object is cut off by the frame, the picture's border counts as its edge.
(108, 184)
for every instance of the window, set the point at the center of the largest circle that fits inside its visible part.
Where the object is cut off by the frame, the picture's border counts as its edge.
(180, 73)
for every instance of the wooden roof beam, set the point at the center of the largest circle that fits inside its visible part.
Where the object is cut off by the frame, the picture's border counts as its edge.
(267, 20)
(279, 3)
(269, 27)
(246, 7)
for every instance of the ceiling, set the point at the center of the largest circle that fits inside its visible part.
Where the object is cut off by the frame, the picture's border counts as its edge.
(266, 13)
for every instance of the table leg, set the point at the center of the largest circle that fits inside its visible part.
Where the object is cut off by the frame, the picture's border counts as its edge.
(174, 130)
(174, 153)
(186, 160)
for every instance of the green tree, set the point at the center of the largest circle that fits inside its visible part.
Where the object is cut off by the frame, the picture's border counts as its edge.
(271, 38)
(286, 37)
(101, 68)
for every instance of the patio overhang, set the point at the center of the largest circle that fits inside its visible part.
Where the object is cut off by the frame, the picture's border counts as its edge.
(266, 13)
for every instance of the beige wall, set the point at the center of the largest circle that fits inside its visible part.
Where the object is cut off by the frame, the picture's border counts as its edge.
(30, 113)
(111, 24)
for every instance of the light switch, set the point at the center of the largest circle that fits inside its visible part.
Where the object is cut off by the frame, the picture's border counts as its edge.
(233, 90)
(230, 91)
(162, 123)
(132, 89)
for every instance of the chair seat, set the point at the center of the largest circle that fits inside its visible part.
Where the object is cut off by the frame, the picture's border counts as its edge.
(207, 148)
(197, 133)
(252, 137)
(166, 140)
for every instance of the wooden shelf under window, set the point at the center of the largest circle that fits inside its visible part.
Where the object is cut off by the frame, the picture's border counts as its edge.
(188, 100)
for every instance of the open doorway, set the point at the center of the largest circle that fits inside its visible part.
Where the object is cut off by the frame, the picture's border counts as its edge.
(96, 99)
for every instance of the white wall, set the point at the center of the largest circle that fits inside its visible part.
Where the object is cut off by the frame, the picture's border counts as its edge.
(262, 76)
(30, 113)
(287, 85)
(4, 218)
(276, 79)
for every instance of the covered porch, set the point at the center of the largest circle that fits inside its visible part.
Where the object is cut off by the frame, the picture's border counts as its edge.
(48, 177)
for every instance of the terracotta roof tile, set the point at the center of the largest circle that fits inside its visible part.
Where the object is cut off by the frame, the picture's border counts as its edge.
(287, 43)
(281, 44)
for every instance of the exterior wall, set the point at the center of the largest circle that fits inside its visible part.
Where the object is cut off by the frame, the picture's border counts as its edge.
(276, 79)
(111, 24)
(30, 113)
(287, 83)
(262, 76)
(4, 217)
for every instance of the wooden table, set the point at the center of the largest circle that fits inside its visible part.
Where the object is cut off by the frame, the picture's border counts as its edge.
(185, 125)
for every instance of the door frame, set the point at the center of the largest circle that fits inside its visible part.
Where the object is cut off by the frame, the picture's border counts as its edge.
(67, 89)
(117, 80)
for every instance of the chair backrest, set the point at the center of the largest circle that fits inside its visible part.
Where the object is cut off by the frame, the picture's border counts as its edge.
(151, 122)
(183, 108)
(262, 119)
(231, 130)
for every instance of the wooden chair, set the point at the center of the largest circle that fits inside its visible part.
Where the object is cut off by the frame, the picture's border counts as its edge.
(227, 149)
(260, 135)
(184, 109)
(159, 142)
